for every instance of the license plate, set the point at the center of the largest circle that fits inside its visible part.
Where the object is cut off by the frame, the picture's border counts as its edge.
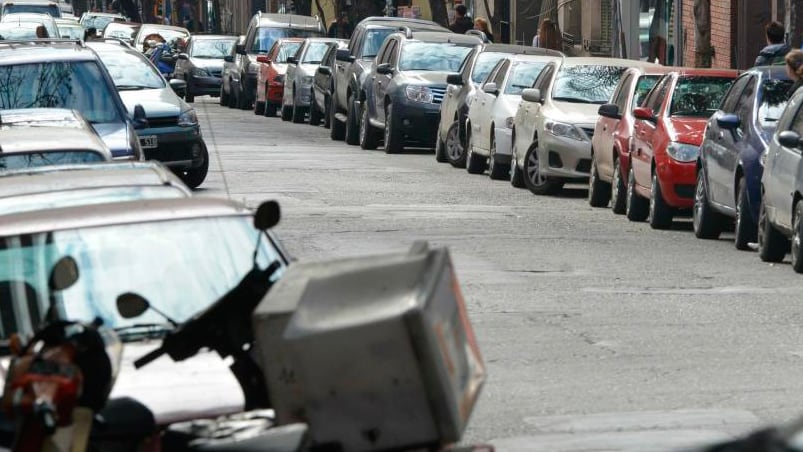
(148, 142)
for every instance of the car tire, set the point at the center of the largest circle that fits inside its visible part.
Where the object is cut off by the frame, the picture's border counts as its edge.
(270, 110)
(337, 130)
(772, 245)
(369, 135)
(599, 191)
(394, 139)
(259, 108)
(315, 115)
(352, 121)
(188, 95)
(745, 230)
(661, 213)
(618, 190)
(496, 171)
(533, 179)
(707, 223)
(232, 98)
(638, 208)
(287, 113)
(327, 119)
(455, 151)
(223, 99)
(244, 101)
(516, 175)
(797, 236)
(194, 177)
(440, 149)
(298, 114)
(475, 164)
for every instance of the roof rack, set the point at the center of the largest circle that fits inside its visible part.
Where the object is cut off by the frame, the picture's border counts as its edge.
(478, 34)
(408, 32)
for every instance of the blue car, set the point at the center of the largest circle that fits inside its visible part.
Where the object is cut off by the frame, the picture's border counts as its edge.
(730, 167)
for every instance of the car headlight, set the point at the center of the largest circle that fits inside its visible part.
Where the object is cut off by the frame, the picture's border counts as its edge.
(683, 152)
(200, 72)
(306, 80)
(560, 129)
(419, 94)
(509, 122)
(188, 118)
(253, 68)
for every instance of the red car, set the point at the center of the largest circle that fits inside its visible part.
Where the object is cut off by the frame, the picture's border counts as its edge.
(610, 144)
(270, 77)
(666, 142)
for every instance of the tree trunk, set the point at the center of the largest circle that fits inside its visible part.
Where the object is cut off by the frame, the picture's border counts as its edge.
(216, 24)
(702, 33)
(439, 14)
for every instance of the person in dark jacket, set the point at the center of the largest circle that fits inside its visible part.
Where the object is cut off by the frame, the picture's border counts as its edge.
(776, 48)
(462, 23)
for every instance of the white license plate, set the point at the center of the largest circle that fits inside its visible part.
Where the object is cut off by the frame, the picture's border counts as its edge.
(149, 142)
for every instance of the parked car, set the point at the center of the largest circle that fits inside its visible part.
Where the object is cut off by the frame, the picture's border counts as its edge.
(30, 6)
(301, 68)
(610, 144)
(227, 77)
(69, 29)
(666, 143)
(263, 31)
(11, 31)
(172, 35)
(554, 124)
(26, 147)
(99, 20)
(272, 70)
(407, 86)
(780, 218)
(353, 65)
(125, 31)
(735, 139)
(172, 135)
(201, 64)
(462, 86)
(323, 86)
(51, 187)
(42, 19)
(491, 112)
(76, 79)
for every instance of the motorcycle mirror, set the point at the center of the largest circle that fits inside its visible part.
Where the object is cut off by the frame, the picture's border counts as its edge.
(131, 305)
(267, 215)
(64, 274)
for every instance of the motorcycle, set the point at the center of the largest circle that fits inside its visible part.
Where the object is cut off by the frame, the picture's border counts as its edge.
(163, 57)
(413, 397)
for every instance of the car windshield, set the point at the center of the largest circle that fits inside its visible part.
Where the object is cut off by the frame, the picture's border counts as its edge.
(698, 96)
(373, 41)
(71, 31)
(50, 9)
(131, 71)
(83, 197)
(212, 48)
(267, 36)
(200, 270)
(76, 85)
(586, 84)
(286, 50)
(773, 98)
(34, 159)
(522, 76)
(315, 52)
(643, 86)
(18, 30)
(126, 32)
(484, 65)
(98, 22)
(168, 34)
(433, 56)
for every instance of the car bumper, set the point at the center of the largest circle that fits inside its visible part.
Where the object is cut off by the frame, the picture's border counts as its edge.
(303, 96)
(565, 157)
(678, 181)
(178, 147)
(204, 85)
(418, 121)
(503, 139)
(275, 93)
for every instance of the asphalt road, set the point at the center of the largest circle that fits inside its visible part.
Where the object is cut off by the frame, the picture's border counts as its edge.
(597, 333)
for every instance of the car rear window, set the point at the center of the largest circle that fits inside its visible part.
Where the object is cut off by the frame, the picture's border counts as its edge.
(484, 64)
(698, 96)
(522, 77)
(373, 41)
(773, 98)
(267, 36)
(51, 9)
(315, 52)
(35, 159)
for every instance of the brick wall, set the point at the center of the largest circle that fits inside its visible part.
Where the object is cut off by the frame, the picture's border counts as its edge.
(723, 32)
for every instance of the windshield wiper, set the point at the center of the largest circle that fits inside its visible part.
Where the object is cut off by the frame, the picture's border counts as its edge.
(130, 87)
(574, 100)
(143, 330)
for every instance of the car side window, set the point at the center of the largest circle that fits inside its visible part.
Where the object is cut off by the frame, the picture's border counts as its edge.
(653, 93)
(380, 54)
(356, 41)
(658, 95)
(620, 96)
(393, 56)
(387, 56)
(499, 77)
(745, 103)
(732, 96)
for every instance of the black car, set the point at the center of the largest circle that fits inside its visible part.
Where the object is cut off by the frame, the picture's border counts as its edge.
(201, 64)
(407, 86)
(323, 86)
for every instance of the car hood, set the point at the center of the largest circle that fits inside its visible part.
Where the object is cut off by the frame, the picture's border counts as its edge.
(687, 130)
(156, 102)
(426, 77)
(576, 113)
(210, 64)
(200, 387)
(115, 135)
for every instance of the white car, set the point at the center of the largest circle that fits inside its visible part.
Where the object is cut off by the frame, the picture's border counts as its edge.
(70, 29)
(491, 111)
(300, 75)
(554, 124)
(25, 18)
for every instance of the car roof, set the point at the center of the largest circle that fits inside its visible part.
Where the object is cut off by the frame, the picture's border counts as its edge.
(401, 24)
(519, 49)
(445, 37)
(48, 179)
(44, 50)
(50, 138)
(102, 14)
(119, 213)
(693, 71)
(776, 71)
(288, 21)
(213, 37)
(604, 61)
(393, 21)
(111, 45)
(516, 57)
(41, 116)
(650, 70)
(150, 27)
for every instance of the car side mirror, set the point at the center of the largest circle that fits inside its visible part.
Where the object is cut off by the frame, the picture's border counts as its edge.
(267, 215)
(490, 88)
(228, 58)
(240, 49)
(609, 111)
(532, 95)
(183, 56)
(324, 70)
(728, 121)
(263, 59)
(644, 113)
(384, 69)
(64, 274)
(454, 79)
(140, 120)
(179, 86)
(344, 55)
(789, 139)
(131, 305)
(292, 60)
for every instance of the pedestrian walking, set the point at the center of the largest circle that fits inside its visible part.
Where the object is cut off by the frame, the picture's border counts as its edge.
(462, 23)
(548, 36)
(482, 25)
(776, 49)
(794, 69)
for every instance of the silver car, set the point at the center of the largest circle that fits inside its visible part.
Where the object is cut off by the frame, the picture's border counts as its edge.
(301, 73)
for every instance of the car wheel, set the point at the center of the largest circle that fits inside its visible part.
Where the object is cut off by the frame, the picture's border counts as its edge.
(327, 101)
(534, 179)
(299, 113)
(233, 102)
(369, 135)
(706, 222)
(337, 130)
(287, 113)
(188, 96)
(475, 164)
(797, 233)
(314, 114)
(599, 192)
(496, 171)
(772, 245)
(516, 175)
(194, 177)
(352, 121)
(661, 213)
(638, 208)
(244, 100)
(455, 152)
(440, 148)
(394, 141)
(270, 110)
(259, 108)
(745, 231)
(618, 190)
(223, 99)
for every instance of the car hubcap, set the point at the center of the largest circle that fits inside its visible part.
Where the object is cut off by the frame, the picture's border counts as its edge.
(512, 171)
(653, 194)
(616, 178)
(453, 147)
(699, 199)
(492, 153)
(739, 213)
(534, 170)
(387, 128)
(364, 125)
